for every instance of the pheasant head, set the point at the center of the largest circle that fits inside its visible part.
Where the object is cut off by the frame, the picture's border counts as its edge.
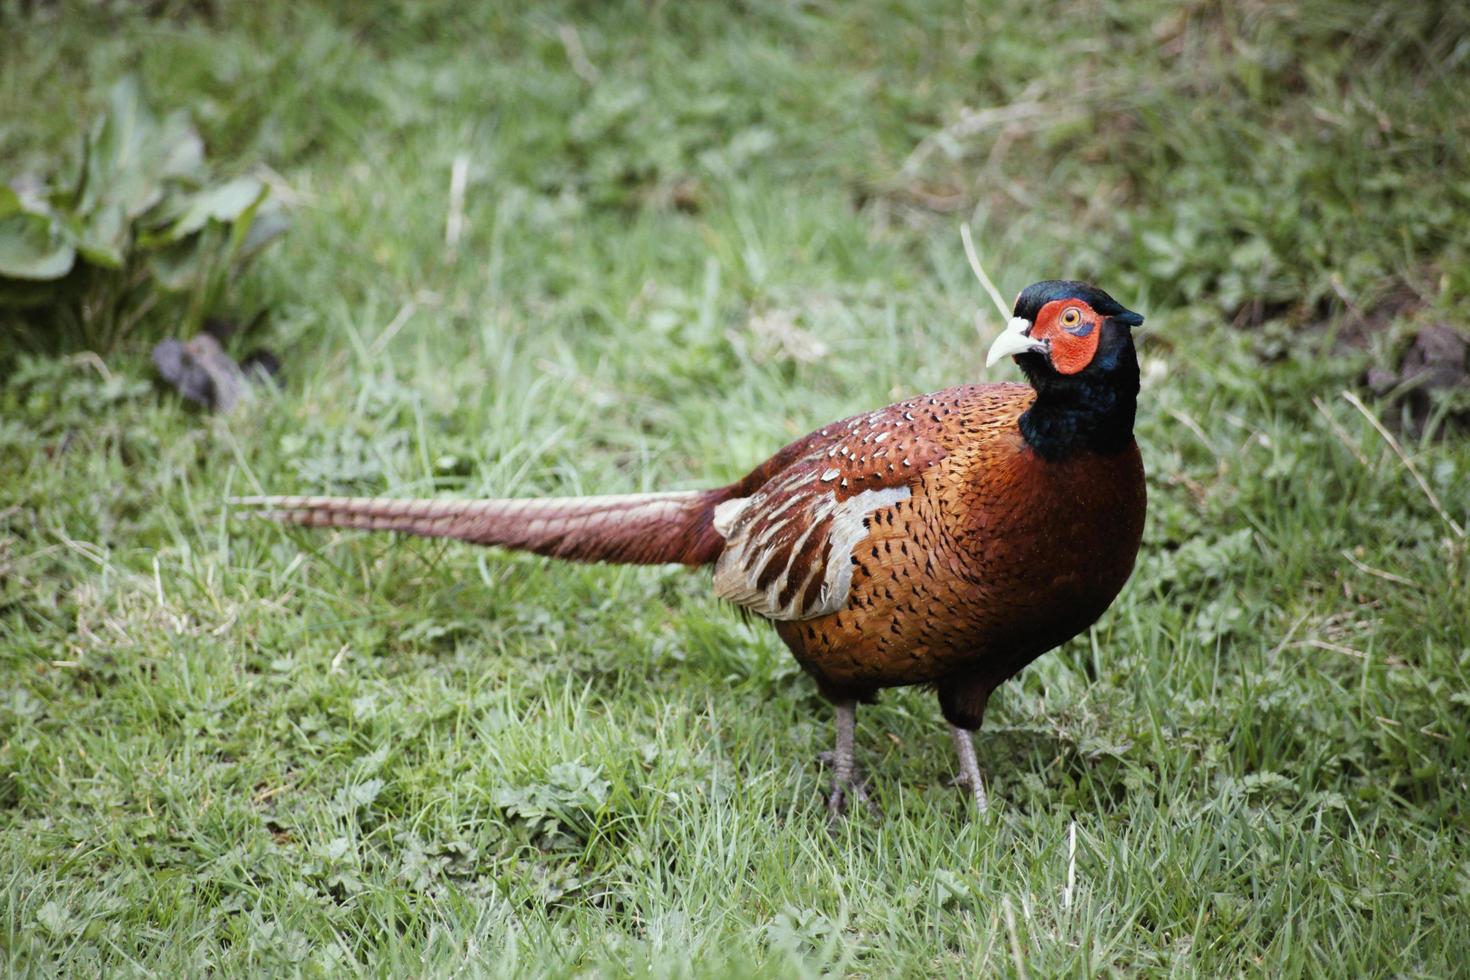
(1074, 343)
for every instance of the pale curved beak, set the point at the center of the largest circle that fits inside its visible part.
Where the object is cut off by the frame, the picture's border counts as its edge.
(1012, 341)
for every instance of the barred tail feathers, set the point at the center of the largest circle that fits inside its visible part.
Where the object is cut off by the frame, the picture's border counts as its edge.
(639, 529)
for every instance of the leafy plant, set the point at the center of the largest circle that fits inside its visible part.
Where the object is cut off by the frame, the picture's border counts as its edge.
(561, 810)
(139, 235)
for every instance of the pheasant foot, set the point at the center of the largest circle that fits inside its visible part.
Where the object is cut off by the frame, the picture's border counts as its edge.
(969, 768)
(848, 783)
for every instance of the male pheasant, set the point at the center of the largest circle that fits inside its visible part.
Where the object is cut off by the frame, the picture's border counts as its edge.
(948, 540)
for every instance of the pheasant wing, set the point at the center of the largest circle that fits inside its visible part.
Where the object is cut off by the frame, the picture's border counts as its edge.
(789, 545)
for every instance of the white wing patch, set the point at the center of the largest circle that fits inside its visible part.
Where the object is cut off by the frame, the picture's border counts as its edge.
(754, 541)
(846, 531)
(727, 513)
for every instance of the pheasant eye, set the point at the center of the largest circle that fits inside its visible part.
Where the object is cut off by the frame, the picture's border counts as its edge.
(1072, 322)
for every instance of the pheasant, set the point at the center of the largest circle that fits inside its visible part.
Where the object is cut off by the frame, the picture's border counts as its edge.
(946, 540)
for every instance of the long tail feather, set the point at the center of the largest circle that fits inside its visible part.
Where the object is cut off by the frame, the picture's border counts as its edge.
(641, 529)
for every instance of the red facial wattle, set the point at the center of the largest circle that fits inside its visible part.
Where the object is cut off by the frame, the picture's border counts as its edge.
(1070, 329)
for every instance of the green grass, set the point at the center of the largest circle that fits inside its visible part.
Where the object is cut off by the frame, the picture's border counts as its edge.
(227, 746)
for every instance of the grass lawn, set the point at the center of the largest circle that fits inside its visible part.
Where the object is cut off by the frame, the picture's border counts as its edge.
(692, 232)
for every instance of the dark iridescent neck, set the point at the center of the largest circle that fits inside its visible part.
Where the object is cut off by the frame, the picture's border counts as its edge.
(1088, 412)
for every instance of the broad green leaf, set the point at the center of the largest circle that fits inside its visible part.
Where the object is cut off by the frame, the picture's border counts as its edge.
(33, 247)
(24, 199)
(181, 151)
(177, 266)
(131, 154)
(103, 238)
(223, 203)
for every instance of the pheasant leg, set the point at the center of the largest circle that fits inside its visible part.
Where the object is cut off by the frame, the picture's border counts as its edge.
(969, 768)
(847, 780)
